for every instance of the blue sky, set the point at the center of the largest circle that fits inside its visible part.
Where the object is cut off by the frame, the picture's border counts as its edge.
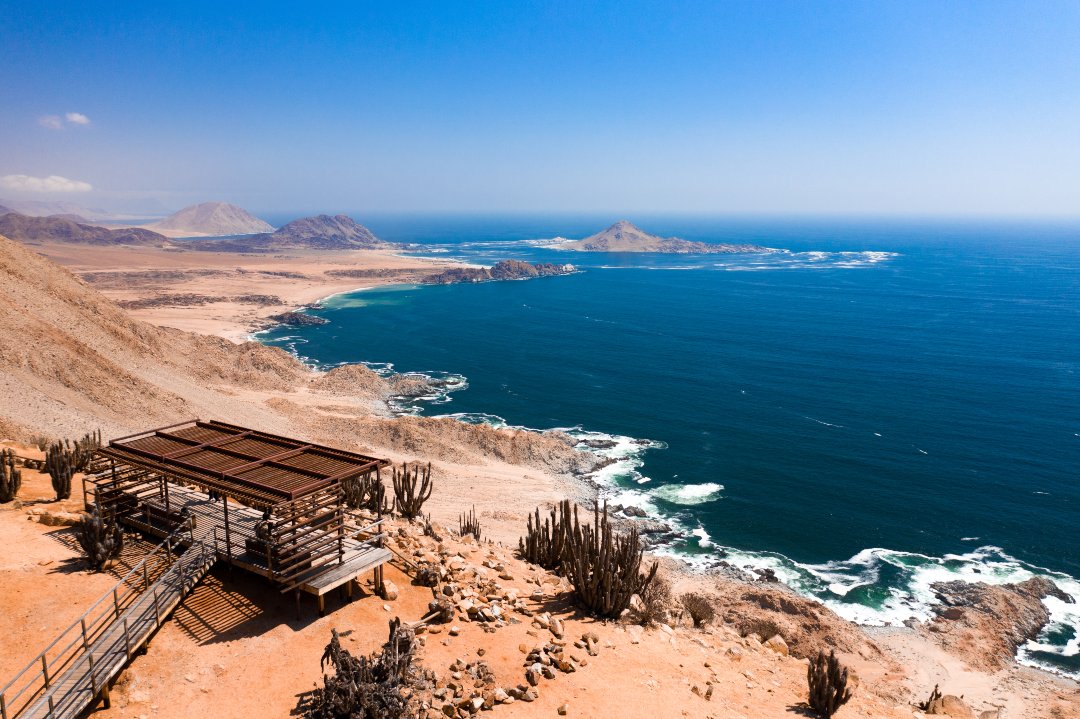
(910, 108)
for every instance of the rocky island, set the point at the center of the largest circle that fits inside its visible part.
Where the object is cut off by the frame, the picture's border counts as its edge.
(623, 236)
(504, 270)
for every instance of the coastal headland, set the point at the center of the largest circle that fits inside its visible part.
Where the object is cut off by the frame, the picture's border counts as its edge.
(127, 338)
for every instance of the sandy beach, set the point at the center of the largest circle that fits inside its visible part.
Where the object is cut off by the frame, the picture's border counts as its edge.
(226, 282)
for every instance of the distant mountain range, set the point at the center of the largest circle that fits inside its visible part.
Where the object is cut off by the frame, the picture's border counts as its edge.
(24, 228)
(210, 219)
(623, 236)
(321, 232)
(41, 208)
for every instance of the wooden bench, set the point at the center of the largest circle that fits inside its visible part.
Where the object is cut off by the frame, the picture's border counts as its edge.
(156, 515)
(118, 502)
(257, 547)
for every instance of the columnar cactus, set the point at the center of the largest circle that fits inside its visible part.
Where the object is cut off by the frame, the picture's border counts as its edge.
(100, 538)
(366, 492)
(10, 478)
(411, 489)
(543, 543)
(827, 679)
(60, 464)
(603, 567)
(469, 524)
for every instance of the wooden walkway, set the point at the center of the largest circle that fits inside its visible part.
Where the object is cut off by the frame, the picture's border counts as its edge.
(64, 681)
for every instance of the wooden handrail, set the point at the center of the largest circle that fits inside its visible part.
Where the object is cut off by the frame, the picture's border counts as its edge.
(121, 589)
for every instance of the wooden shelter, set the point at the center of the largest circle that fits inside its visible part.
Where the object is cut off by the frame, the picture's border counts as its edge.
(268, 504)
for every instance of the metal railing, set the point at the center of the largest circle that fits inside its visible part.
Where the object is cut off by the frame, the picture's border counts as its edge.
(75, 643)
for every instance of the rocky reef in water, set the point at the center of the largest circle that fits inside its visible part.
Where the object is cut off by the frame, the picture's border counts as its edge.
(504, 270)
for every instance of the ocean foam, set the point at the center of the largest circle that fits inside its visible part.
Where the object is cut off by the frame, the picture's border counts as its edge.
(689, 494)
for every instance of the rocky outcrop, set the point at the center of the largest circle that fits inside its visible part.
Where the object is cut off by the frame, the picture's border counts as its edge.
(504, 270)
(297, 319)
(57, 229)
(986, 624)
(625, 237)
(805, 625)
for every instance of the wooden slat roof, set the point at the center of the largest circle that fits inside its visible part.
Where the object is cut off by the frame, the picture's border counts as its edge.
(260, 468)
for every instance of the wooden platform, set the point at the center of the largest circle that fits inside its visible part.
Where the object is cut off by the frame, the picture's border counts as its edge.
(358, 557)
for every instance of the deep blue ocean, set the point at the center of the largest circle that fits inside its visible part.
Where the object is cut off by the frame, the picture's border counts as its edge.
(882, 405)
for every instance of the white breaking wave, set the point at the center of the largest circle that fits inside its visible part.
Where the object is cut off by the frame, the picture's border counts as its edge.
(689, 494)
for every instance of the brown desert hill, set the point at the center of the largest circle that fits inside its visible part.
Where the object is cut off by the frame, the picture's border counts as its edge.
(623, 236)
(24, 228)
(210, 219)
(75, 360)
(320, 232)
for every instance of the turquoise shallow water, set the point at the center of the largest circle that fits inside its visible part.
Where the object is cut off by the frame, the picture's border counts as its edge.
(881, 406)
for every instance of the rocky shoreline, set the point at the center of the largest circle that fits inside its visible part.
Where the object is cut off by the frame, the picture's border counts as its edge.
(504, 270)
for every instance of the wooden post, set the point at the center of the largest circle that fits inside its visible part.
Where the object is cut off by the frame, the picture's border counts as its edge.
(296, 592)
(228, 532)
(165, 485)
(45, 670)
(322, 605)
(105, 698)
(348, 590)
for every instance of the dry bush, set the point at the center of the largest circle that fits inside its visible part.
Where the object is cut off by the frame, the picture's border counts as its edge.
(699, 607)
(657, 601)
(372, 687)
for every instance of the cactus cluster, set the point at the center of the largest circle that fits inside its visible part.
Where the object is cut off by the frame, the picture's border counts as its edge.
(100, 538)
(64, 459)
(827, 679)
(543, 543)
(366, 492)
(412, 487)
(60, 464)
(603, 567)
(469, 524)
(10, 478)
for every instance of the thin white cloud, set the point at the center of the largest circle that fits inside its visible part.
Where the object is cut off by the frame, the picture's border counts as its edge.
(53, 122)
(77, 118)
(52, 183)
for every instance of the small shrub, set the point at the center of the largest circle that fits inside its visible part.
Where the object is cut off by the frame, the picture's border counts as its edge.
(699, 607)
(934, 696)
(657, 601)
(827, 679)
(427, 575)
(430, 531)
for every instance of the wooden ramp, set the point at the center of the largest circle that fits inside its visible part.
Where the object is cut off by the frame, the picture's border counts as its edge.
(80, 665)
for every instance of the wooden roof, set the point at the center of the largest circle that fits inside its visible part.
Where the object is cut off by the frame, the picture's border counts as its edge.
(259, 468)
